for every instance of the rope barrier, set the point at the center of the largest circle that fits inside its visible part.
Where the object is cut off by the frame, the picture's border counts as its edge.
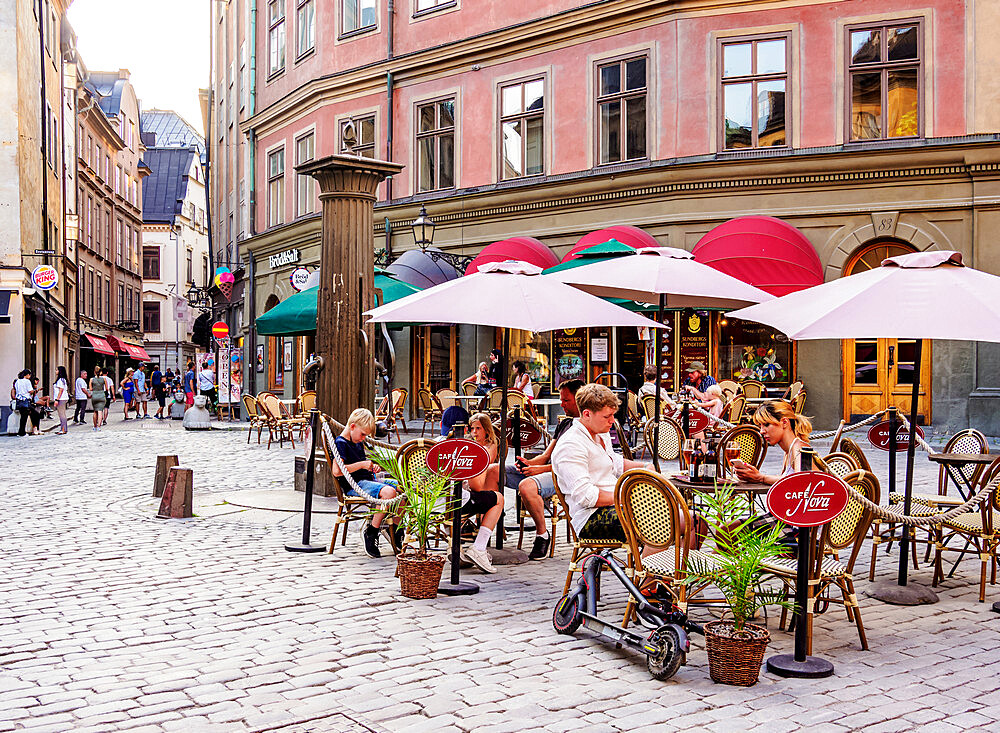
(849, 428)
(331, 442)
(920, 441)
(910, 521)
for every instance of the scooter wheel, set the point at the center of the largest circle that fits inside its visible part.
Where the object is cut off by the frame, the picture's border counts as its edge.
(566, 618)
(664, 665)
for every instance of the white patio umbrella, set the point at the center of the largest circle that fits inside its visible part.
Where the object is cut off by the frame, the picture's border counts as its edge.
(508, 295)
(668, 277)
(925, 295)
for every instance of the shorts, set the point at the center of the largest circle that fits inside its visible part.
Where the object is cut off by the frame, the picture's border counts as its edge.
(161, 399)
(546, 485)
(141, 396)
(372, 488)
(480, 502)
(603, 524)
(189, 398)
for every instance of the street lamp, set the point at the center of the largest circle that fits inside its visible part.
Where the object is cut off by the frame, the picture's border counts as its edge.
(423, 230)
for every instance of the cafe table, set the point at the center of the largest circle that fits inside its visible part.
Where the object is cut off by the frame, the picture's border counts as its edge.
(688, 488)
(546, 403)
(952, 463)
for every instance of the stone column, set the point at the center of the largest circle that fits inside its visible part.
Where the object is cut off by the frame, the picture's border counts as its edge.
(348, 186)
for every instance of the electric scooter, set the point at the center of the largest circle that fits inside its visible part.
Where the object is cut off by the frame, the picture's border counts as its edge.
(667, 643)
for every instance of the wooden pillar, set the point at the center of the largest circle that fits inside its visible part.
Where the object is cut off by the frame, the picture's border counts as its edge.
(178, 500)
(163, 466)
(348, 187)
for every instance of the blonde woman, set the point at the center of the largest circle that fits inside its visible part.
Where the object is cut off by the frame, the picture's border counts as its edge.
(484, 494)
(779, 425)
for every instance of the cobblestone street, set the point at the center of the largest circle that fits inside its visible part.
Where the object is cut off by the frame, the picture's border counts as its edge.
(117, 620)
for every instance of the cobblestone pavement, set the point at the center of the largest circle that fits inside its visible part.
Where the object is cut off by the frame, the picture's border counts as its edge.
(115, 620)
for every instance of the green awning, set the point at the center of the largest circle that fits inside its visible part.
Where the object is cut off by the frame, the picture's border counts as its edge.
(601, 253)
(296, 315)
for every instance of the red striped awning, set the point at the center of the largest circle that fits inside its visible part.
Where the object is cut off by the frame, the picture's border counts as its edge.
(135, 351)
(101, 346)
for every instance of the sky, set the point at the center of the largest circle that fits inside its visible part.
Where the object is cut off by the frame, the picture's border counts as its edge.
(163, 43)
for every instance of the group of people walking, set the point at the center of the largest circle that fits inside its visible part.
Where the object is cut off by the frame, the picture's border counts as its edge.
(98, 390)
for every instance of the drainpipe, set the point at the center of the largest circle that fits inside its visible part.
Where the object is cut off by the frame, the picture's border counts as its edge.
(251, 137)
(45, 129)
(391, 12)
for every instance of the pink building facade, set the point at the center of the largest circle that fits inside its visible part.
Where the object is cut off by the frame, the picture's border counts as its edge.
(553, 120)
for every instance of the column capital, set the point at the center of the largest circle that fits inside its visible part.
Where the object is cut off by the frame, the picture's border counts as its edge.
(348, 176)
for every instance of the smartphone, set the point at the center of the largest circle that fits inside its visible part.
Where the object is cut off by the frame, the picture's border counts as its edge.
(737, 463)
(520, 462)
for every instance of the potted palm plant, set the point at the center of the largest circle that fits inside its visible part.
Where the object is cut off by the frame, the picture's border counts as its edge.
(737, 568)
(423, 509)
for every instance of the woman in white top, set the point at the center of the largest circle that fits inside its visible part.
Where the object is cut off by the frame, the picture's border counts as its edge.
(60, 395)
(22, 392)
(522, 380)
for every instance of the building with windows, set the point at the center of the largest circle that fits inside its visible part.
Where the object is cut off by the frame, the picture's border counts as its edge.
(787, 142)
(110, 175)
(36, 317)
(174, 239)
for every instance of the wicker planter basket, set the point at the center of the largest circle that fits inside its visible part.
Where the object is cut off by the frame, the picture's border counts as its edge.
(734, 658)
(419, 577)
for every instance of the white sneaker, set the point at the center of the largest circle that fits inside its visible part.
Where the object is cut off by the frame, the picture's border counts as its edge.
(481, 559)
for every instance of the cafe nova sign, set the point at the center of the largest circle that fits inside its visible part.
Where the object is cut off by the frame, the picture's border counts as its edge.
(458, 459)
(807, 499)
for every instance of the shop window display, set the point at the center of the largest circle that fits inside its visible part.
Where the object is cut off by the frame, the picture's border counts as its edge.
(534, 350)
(754, 351)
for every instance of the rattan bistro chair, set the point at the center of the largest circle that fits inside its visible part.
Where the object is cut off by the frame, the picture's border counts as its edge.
(977, 527)
(840, 464)
(580, 547)
(851, 448)
(469, 388)
(734, 409)
(848, 530)
(753, 389)
(655, 517)
(671, 440)
(752, 447)
(412, 459)
(254, 417)
(446, 398)
(306, 401)
(430, 407)
(729, 388)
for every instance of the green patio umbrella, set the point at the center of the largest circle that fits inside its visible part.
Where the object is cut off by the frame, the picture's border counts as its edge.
(600, 253)
(296, 315)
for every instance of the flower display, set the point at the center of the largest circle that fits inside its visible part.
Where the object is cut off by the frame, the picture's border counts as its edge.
(761, 364)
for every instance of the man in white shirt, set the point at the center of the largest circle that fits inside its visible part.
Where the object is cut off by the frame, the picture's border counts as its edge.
(80, 394)
(649, 387)
(206, 384)
(587, 467)
(141, 395)
(23, 392)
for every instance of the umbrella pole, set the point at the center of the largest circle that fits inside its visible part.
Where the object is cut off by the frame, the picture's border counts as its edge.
(900, 593)
(904, 540)
(502, 448)
(659, 367)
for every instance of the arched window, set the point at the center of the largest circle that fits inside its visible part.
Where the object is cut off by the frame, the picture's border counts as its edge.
(870, 255)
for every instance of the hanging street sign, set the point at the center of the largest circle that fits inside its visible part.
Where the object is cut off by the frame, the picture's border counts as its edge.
(299, 278)
(807, 499)
(44, 277)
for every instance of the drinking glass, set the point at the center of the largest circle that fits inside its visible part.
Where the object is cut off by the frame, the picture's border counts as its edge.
(688, 450)
(732, 452)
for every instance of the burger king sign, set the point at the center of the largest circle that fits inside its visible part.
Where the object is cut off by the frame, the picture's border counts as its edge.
(44, 277)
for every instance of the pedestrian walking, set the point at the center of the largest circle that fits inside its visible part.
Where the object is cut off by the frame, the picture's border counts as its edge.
(98, 397)
(159, 386)
(81, 392)
(206, 385)
(60, 395)
(189, 386)
(141, 395)
(22, 392)
(110, 392)
(127, 389)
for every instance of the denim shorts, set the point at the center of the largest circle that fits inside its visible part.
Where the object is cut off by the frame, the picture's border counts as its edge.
(373, 488)
(546, 486)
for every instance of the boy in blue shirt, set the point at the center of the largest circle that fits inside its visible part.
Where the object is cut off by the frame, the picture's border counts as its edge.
(350, 444)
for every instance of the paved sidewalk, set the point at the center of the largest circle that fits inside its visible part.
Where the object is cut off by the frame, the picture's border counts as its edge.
(115, 620)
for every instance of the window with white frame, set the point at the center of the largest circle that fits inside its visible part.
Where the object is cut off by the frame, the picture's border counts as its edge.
(754, 79)
(435, 143)
(522, 123)
(305, 37)
(276, 187)
(276, 36)
(423, 5)
(305, 186)
(357, 15)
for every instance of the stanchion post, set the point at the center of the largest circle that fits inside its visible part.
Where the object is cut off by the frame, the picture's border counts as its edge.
(456, 587)
(310, 479)
(893, 445)
(686, 417)
(800, 664)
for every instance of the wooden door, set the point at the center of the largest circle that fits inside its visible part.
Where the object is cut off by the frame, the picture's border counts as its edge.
(434, 358)
(879, 373)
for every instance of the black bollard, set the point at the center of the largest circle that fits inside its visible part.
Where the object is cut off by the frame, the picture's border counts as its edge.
(310, 479)
(456, 587)
(800, 664)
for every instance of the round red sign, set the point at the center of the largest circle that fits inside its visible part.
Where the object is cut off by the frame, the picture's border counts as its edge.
(878, 436)
(530, 434)
(220, 330)
(807, 499)
(696, 421)
(458, 459)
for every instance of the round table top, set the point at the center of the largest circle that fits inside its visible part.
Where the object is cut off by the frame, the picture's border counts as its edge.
(682, 482)
(958, 458)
